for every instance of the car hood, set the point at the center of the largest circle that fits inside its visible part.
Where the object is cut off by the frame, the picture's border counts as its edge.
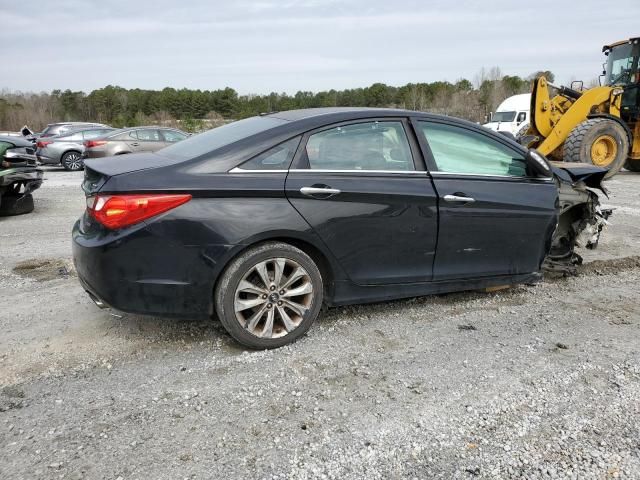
(572, 173)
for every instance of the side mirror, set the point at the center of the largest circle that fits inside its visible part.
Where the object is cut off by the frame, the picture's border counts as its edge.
(538, 163)
(490, 117)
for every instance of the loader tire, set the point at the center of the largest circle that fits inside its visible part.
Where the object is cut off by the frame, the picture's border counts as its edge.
(632, 165)
(600, 142)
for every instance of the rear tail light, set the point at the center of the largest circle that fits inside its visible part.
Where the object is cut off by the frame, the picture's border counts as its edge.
(94, 143)
(42, 144)
(118, 211)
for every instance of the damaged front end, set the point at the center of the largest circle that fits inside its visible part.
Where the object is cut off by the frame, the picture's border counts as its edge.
(580, 216)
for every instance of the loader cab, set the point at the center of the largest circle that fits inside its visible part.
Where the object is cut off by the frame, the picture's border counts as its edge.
(623, 69)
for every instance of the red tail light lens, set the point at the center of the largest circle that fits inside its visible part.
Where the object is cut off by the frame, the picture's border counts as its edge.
(42, 144)
(118, 211)
(94, 143)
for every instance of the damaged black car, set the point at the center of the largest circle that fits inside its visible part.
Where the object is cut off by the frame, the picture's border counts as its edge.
(19, 175)
(262, 221)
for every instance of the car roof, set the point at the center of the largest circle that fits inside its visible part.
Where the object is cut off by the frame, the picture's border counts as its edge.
(73, 123)
(352, 112)
(84, 129)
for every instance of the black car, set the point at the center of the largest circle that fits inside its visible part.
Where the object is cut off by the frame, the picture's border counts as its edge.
(263, 220)
(19, 175)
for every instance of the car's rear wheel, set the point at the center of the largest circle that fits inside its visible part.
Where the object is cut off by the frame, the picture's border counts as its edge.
(72, 161)
(16, 205)
(269, 296)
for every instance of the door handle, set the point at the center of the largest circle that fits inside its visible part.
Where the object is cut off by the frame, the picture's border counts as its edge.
(458, 199)
(135, 144)
(319, 192)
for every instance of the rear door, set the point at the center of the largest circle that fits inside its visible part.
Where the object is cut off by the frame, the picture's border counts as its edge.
(171, 136)
(359, 187)
(495, 219)
(149, 140)
(132, 141)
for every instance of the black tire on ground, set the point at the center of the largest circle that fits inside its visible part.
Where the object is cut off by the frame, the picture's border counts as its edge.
(577, 146)
(16, 205)
(632, 165)
(236, 271)
(72, 161)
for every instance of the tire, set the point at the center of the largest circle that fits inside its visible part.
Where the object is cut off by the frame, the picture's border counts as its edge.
(72, 161)
(632, 165)
(580, 144)
(16, 205)
(241, 285)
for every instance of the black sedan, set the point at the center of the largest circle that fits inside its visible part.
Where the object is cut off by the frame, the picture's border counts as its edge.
(263, 220)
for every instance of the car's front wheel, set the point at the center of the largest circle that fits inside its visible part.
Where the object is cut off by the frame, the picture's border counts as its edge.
(269, 295)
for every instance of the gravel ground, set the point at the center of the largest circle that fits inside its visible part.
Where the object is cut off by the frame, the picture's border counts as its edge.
(532, 382)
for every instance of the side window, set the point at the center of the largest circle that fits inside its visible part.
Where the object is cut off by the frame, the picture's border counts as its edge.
(94, 133)
(276, 158)
(133, 134)
(72, 137)
(458, 150)
(361, 146)
(149, 135)
(172, 136)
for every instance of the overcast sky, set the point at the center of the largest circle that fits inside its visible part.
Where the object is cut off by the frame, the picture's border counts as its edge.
(287, 45)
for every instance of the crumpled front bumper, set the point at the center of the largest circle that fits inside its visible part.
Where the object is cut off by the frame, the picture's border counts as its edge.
(31, 178)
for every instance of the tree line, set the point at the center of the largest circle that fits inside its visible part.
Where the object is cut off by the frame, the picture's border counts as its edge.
(195, 110)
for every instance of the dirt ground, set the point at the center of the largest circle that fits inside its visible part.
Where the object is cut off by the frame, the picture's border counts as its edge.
(538, 381)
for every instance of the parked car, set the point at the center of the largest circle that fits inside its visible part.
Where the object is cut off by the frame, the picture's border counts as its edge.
(66, 149)
(265, 219)
(19, 175)
(54, 129)
(132, 140)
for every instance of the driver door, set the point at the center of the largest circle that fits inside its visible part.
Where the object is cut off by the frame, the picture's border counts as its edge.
(494, 218)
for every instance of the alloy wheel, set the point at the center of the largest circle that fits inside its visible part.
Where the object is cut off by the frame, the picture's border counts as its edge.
(273, 297)
(73, 161)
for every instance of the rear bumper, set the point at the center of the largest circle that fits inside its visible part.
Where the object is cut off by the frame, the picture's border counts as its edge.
(130, 272)
(31, 177)
(46, 160)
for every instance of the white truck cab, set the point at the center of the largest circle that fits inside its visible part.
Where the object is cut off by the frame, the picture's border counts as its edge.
(512, 115)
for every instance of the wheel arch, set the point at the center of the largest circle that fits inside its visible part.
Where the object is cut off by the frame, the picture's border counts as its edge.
(71, 150)
(330, 270)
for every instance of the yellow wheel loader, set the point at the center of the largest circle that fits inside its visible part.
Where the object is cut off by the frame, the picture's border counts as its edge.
(600, 125)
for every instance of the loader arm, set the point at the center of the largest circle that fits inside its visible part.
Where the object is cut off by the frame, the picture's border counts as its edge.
(554, 118)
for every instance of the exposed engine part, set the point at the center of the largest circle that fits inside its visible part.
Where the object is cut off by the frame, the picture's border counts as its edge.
(581, 220)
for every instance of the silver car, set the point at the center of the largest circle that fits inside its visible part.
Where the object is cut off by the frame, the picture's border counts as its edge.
(60, 128)
(132, 140)
(67, 149)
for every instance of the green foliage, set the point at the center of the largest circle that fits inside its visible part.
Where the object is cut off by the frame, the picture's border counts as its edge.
(121, 107)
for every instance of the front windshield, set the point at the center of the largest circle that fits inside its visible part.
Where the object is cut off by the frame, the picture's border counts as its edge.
(503, 117)
(622, 65)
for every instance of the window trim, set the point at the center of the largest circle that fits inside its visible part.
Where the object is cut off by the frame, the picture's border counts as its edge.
(430, 159)
(301, 164)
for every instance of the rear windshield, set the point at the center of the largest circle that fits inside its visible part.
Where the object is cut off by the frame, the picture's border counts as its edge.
(219, 137)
